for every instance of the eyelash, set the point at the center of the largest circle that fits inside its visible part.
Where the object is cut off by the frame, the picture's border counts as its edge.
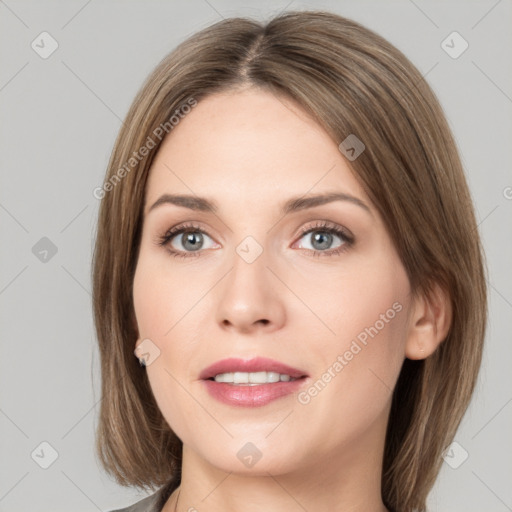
(322, 226)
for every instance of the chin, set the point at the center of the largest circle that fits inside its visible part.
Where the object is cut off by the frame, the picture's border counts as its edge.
(255, 457)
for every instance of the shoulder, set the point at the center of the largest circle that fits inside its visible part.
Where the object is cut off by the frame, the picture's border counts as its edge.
(156, 501)
(148, 504)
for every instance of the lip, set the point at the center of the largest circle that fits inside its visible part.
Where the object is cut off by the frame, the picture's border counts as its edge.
(251, 396)
(257, 364)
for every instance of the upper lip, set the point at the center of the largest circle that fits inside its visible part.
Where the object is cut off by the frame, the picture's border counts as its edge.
(258, 364)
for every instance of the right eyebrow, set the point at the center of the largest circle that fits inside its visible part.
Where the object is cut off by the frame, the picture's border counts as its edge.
(192, 202)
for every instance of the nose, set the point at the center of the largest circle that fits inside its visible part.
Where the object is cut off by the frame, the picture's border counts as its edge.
(250, 297)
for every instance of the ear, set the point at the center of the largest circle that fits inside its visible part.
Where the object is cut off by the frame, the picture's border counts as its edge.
(430, 322)
(133, 321)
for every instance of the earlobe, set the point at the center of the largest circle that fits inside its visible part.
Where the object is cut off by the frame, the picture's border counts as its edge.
(429, 323)
(138, 352)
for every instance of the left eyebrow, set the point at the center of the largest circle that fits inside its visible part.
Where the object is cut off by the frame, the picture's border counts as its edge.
(291, 205)
(302, 203)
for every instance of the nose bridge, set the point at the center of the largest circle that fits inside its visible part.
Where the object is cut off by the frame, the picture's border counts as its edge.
(248, 297)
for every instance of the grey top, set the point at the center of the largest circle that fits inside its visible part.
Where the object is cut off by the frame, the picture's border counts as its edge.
(147, 504)
(156, 501)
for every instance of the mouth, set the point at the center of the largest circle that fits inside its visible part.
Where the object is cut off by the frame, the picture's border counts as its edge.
(252, 378)
(251, 383)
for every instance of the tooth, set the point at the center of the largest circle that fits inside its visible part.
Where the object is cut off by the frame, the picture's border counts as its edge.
(224, 377)
(272, 377)
(258, 377)
(240, 378)
(252, 378)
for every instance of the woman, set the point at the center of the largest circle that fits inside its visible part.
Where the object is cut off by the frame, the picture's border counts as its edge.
(287, 243)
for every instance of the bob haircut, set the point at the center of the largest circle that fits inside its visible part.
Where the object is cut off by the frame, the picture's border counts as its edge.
(352, 81)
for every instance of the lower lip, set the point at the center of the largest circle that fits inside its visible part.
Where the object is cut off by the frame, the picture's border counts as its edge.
(251, 396)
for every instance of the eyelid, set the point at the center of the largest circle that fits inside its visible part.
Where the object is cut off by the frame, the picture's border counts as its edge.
(180, 229)
(327, 226)
(320, 225)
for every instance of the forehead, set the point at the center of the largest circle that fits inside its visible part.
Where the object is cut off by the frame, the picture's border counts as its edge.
(249, 146)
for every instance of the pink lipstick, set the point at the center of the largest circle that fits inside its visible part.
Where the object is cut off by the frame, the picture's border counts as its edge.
(251, 383)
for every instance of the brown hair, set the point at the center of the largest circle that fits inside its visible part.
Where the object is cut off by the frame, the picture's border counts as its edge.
(352, 81)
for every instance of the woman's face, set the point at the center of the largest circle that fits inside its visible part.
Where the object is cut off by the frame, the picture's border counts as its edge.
(314, 286)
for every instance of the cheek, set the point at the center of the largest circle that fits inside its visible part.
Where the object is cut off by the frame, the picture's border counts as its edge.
(366, 314)
(172, 397)
(356, 373)
(161, 303)
(160, 299)
(372, 315)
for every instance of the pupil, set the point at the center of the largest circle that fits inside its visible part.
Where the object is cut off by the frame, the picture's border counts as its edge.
(322, 236)
(195, 239)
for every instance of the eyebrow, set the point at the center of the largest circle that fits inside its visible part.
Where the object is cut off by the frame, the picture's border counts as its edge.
(291, 205)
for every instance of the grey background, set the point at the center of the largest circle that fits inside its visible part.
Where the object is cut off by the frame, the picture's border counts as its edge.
(60, 117)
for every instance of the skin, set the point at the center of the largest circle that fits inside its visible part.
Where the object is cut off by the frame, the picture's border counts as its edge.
(249, 151)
